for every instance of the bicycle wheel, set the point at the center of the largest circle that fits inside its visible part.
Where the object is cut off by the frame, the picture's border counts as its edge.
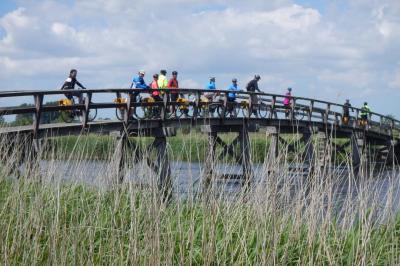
(66, 116)
(92, 114)
(263, 110)
(299, 114)
(120, 114)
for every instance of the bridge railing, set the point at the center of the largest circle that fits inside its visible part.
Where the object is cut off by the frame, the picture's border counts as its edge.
(302, 108)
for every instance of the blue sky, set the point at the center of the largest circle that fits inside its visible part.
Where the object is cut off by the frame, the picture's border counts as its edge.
(331, 50)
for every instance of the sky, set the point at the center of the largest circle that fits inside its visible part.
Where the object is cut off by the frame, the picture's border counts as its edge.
(330, 50)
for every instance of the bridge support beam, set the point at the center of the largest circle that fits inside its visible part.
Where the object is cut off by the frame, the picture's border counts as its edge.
(315, 153)
(209, 165)
(163, 170)
(273, 151)
(309, 146)
(120, 152)
(357, 142)
(246, 159)
(243, 157)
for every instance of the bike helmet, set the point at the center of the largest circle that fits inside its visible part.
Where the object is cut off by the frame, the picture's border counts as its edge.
(257, 77)
(163, 71)
(174, 73)
(141, 72)
(212, 78)
(365, 103)
(234, 80)
(289, 89)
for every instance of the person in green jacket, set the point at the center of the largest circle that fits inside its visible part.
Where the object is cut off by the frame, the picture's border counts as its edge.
(162, 79)
(365, 112)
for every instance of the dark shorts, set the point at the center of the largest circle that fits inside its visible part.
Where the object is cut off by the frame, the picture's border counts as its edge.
(71, 94)
(174, 97)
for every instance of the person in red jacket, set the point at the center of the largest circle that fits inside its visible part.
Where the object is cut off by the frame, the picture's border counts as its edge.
(173, 86)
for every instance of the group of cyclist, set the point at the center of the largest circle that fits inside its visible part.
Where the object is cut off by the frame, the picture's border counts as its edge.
(160, 83)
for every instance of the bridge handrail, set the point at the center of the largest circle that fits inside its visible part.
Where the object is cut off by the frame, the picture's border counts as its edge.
(191, 90)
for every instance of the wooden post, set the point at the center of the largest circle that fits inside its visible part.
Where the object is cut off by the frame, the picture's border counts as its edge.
(271, 115)
(210, 160)
(36, 122)
(127, 113)
(357, 146)
(309, 146)
(310, 111)
(246, 158)
(87, 101)
(121, 152)
(274, 143)
(164, 106)
(164, 170)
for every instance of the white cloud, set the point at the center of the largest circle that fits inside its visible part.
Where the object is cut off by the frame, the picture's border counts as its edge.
(288, 44)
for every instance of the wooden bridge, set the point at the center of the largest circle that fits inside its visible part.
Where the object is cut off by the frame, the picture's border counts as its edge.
(215, 115)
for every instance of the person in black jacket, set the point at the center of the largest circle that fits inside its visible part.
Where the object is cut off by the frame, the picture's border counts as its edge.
(69, 84)
(346, 112)
(252, 86)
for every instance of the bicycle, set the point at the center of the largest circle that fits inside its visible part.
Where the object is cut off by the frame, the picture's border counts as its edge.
(120, 111)
(149, 108)
(69, 115)
(183, 108)
(230, 110)
(261, 109)
(298, 113)
(208, 107)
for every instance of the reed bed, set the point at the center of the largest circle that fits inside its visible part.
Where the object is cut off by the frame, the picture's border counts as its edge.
(329, 216)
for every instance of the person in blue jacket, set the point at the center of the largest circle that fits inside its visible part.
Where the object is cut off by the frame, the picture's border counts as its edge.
(233, 87)
(138, 83)
(211, 84)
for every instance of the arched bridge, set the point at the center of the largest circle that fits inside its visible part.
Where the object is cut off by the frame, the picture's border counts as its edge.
(138, 115)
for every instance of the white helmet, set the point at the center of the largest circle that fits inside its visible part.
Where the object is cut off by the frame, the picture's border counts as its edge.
(141, 72)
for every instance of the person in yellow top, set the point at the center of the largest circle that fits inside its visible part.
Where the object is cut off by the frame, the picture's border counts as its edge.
(162, 79)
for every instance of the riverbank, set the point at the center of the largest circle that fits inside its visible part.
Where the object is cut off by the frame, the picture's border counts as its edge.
(62, 223)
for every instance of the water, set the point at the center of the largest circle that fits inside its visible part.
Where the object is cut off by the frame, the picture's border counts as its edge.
(382, 188)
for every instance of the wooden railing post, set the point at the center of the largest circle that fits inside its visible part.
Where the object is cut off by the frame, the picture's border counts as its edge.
(165, 105)
(250, 95)
(128, 108)
(225, 106)
(87, 101)
(326, 115)
(271, 115)
(310, 111)
(355, 120)
(293, 108)
(38, 110)
(197, 104)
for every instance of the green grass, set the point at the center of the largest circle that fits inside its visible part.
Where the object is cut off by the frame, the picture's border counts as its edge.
(75, 224)
(280, 221)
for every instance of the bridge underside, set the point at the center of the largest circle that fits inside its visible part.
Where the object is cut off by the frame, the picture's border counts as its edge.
(151, 127)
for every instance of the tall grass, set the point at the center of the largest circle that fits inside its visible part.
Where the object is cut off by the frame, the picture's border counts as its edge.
(328, 216)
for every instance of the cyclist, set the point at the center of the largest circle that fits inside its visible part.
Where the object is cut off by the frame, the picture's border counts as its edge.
(346, 112)
(69, 84)
(212, 87)
(365, 112)
(252, 86)
(232, 95)
(287, 102)
(173, 86)
(155, 89)
(139, 83)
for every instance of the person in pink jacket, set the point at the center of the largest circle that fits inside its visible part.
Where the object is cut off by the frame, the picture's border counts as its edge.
(287, 102)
